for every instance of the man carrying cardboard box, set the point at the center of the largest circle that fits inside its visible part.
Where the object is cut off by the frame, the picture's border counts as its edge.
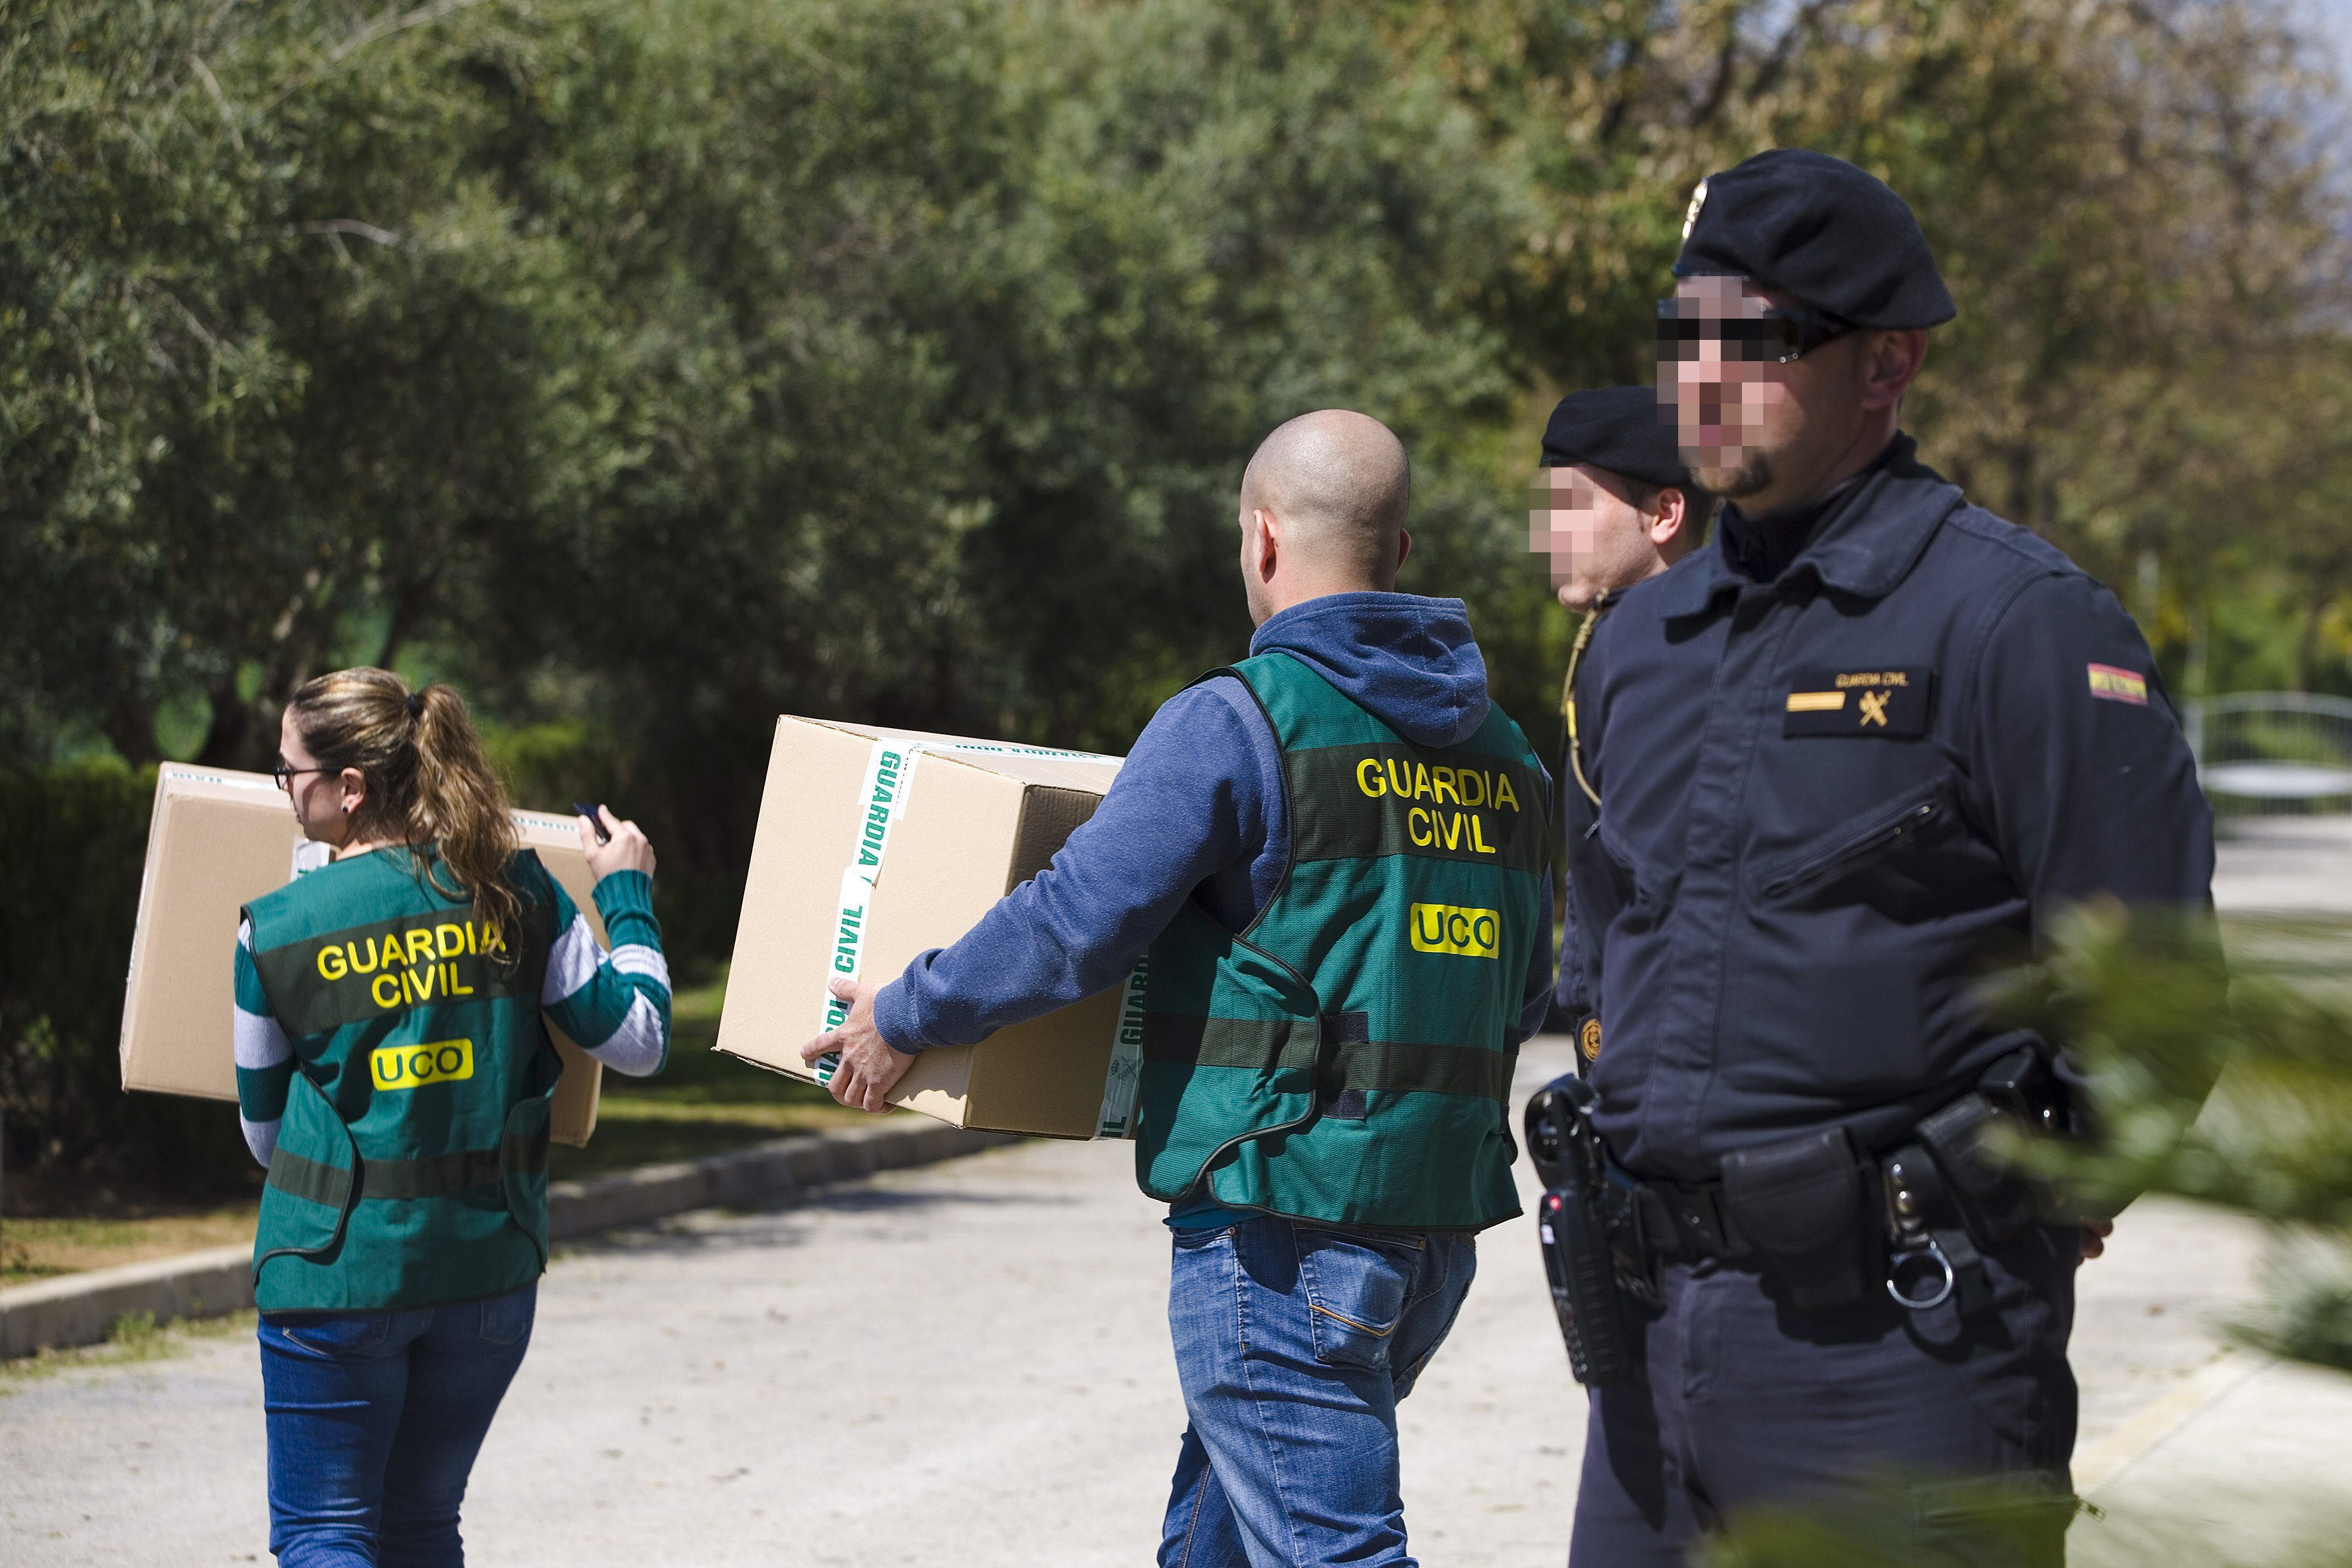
(1333, 859)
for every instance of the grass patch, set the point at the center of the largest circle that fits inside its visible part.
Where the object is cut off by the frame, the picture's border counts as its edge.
(703, 1103)
(133, 1337)
(40, 1247)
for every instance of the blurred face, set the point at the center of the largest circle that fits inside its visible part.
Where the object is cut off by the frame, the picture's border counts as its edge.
(1598, 540)
(1750, 423)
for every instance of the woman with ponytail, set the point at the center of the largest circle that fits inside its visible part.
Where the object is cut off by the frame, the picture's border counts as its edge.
(393, 1072)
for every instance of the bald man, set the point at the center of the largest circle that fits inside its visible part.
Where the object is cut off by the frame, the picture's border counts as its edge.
(1333, 855)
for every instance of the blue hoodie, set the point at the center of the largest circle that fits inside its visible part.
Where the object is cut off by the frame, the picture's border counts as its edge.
(1196, 811)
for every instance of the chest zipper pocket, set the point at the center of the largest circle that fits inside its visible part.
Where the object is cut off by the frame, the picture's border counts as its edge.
(1883, 835)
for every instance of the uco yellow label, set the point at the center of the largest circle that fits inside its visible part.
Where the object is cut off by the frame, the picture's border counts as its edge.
(408, 1067)
(1448, 928)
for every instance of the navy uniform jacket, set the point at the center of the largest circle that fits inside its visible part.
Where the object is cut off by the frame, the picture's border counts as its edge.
(1569, 1003)
(1831, 801)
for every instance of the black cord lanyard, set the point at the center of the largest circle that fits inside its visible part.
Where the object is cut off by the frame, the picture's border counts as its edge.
(1568, 696)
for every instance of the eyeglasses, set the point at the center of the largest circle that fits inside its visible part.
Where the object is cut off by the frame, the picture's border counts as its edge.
(284, 773)
(1781, 335)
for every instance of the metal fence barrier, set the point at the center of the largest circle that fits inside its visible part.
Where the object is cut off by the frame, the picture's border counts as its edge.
(2274, 753)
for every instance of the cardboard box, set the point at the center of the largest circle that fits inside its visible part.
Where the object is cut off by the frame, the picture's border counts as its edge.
(874, 845)
(219, 840)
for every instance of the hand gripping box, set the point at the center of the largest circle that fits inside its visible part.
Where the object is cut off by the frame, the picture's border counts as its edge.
(219, 840)
(875, 845)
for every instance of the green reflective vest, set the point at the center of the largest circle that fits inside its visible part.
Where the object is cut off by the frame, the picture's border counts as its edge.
(1343, 1059)
(411, 1166)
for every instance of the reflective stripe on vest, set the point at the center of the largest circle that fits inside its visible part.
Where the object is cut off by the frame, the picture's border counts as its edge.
(1349, 1064)
(435, 1176)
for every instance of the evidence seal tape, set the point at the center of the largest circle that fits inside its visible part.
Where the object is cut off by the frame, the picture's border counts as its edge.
(889, 772)
(1119, 1084)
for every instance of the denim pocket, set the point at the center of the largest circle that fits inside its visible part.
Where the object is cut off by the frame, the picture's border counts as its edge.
(1355, 1288)
(508, 1318)
(344, 1334)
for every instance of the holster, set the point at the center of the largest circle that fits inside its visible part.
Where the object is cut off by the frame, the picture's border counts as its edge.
(1808, 1204)
(1995, 1203)
(1995, 1199)
(1574, 1222)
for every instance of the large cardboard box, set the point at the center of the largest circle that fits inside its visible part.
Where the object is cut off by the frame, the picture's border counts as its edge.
(874, 845)
(217, 841)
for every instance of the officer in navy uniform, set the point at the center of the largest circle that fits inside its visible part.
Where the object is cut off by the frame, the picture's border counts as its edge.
(1866, 745)
(1616, 505)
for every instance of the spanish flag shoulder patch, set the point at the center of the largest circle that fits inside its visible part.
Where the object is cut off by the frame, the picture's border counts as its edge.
(2118, 685)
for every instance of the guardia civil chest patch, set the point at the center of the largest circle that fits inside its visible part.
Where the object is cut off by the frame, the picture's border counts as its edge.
(1886, 702)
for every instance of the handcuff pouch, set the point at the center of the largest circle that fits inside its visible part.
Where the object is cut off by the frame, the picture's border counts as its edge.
(1805, 1204)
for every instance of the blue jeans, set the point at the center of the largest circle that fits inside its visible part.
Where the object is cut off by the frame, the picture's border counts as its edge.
(1294, 1343)
(375, 1420)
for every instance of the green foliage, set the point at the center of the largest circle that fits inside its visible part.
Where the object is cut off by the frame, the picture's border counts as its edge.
(2308, 1288)
(1988, 1524)
(648, 368)
(276, 354)
(2148, 1008)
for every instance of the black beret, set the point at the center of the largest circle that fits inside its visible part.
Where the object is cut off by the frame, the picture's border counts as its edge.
(1819, 229)
(1621, 428)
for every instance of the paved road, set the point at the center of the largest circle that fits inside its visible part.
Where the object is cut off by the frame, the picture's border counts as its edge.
(2285, 865)
(969, 1365)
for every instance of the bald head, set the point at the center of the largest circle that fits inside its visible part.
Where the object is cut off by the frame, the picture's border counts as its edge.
(1338, 484)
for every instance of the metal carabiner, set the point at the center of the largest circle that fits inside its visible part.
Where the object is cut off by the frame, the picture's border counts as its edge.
(1933, 1253)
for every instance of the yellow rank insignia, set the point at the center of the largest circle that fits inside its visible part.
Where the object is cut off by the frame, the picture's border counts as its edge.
(2118, 685)
(1879, 703)
(1588, 1039)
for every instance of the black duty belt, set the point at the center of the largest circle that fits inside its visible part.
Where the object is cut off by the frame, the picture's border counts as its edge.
(1833, 1222)
(1686, 1221)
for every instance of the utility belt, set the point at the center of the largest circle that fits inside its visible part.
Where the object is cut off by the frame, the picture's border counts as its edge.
(1827, 1218)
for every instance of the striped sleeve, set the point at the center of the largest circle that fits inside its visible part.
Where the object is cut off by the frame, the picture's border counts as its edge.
(616, 1004)
(265, 1057)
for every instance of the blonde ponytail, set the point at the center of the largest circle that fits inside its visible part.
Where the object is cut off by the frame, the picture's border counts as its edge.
(428, 779)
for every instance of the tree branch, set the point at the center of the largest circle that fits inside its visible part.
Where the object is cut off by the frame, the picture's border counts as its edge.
(383, 236)
(220, 99)
(374, 32)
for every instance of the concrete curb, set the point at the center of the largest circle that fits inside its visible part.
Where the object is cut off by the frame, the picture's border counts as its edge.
(83, 1309)
(757, 1174)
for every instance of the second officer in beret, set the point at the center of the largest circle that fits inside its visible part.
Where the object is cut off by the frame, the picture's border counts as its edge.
(1615, 506)
(1868, 743)
(1615, 502)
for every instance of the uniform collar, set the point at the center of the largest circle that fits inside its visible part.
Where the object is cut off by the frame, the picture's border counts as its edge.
(1866, 544)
